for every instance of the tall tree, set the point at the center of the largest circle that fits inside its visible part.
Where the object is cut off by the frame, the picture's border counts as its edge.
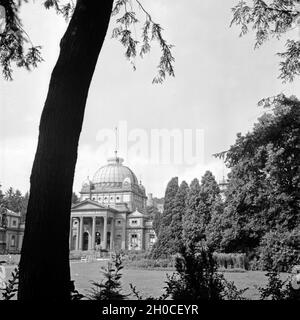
(180, 205)
(164, 233)
(263, 191)
(45, 251)
(192, 222)
(169, 204)
(14, 200)
(24, 206)
(212, 210)
(203, 201)
(209, 189)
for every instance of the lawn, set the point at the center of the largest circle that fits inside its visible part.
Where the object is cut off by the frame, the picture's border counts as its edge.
(152, 282)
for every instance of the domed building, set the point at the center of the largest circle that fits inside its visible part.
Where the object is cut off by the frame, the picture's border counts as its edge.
(111, 213)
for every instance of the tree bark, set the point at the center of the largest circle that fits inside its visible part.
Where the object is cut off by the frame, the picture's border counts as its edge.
(44, 265)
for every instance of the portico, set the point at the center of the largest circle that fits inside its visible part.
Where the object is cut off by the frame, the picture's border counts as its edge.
(92, 227)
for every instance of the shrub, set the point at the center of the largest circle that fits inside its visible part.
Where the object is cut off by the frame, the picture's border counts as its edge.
(110, 288)
(197, 277)
(231, 260)
(280, 251)
(277, 289)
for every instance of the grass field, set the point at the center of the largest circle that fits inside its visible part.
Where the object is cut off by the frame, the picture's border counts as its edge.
(152, 282)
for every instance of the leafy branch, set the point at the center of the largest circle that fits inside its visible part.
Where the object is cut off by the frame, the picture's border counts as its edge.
(151, 31)
(272, 19)
(13, 40)
(12, 285)
(65, 9)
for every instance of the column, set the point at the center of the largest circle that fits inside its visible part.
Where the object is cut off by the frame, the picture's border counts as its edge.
(77, 235)
(80, 234)
(70, 233)
(104, 232)
(124, 235)
(112, 235)
(142, 239)
(93, 233)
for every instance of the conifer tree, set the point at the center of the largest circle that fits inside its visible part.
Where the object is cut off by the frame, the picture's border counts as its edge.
(210, 191)
(180, 204)
(169, 204)
(203, 201)
(192, 230)
(164, 232)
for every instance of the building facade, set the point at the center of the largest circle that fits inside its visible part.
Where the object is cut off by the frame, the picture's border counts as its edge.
(111, 214)
(11, 232)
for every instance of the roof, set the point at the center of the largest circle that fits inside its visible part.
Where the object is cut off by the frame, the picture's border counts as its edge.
(12, 213)
(114, 174)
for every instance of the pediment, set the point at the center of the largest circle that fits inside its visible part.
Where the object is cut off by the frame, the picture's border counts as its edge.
(136, 214)
(88, 205)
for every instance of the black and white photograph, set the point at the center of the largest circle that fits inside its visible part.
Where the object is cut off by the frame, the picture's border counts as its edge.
(149, 154)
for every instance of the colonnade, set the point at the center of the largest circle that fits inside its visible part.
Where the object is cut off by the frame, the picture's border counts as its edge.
(92, 232)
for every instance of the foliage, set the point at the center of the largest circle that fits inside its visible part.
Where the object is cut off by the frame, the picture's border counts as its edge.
(209, 189)
(272, 19)
(192, 224)
(15, 45)
(14, 200)
(147, 263)
(161, 246)
(203, 201)
(110, 288)
(231, 260)
(263, 190)
(138, 295)
(176, 230)
(150, 31)
(197, 277)
(213, 229)
(14, 39)
(280, 250)
(12, 285)
(277, 289)
(154, 214)
(231, 292)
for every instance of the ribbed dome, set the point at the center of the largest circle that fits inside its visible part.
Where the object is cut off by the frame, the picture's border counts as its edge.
(114, 173)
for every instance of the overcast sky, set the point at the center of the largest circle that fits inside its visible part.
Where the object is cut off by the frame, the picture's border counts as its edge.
(219, 80)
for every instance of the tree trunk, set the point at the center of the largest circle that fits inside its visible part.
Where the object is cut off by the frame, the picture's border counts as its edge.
(44, 265)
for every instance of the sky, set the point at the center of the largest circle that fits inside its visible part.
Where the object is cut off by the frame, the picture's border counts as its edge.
(219, 79)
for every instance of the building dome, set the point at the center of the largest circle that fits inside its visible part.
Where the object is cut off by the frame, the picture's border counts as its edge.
(114, 174)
